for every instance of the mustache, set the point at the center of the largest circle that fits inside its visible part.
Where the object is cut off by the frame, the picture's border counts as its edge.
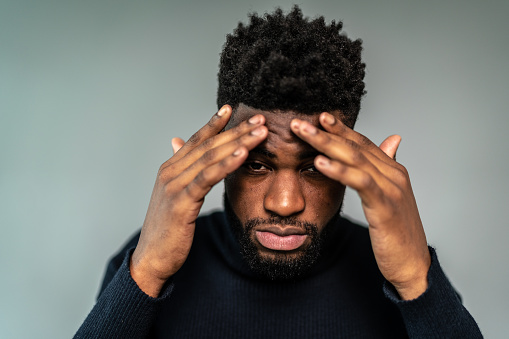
(310, 227)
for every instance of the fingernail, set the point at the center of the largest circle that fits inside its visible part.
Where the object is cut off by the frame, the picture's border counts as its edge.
(237, 152)
(310, 129)
(222, 111)
(329, 119)
(324, 162)
(295, 124)
(255, 120)
(257, 132)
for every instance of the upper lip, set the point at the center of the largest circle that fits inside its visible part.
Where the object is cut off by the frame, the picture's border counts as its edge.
(283, 232)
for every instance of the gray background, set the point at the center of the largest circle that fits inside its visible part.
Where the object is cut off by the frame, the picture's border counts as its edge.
(91, 93)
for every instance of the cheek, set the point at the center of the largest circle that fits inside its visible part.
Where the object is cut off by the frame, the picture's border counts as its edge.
(245, 198)
(325, 200)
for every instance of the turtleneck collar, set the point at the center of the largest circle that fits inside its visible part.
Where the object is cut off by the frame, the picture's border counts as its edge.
(227, 244)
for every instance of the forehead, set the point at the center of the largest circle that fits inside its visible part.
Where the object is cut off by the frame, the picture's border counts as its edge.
(281, 142)
(277, 122)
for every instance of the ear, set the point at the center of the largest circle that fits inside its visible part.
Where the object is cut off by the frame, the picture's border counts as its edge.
(176, 144)
(390, 145)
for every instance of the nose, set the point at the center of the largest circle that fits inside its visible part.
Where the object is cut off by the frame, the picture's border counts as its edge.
(284, 196)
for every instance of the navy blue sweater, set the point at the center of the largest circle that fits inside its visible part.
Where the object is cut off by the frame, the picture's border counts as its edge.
(215, 295)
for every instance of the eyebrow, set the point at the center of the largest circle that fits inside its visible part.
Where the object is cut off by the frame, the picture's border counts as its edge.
(301, 155)
(308, 154)
(265, 152)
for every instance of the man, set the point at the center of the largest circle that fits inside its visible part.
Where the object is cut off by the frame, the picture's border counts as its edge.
(280, 261)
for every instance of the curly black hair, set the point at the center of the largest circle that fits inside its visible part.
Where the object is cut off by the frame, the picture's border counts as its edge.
(288, 62)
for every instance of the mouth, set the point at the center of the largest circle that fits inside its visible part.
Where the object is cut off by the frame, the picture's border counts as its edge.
(281, 239)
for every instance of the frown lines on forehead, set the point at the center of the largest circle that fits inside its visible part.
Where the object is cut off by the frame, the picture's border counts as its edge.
(301, 155)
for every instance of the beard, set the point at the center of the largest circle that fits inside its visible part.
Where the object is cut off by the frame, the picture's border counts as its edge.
(278, 266)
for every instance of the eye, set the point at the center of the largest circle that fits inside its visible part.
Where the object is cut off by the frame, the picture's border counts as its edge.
(311, 169)
(255, 167)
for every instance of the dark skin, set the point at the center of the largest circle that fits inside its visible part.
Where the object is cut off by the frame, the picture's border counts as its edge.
(279, 178)
(299, 168)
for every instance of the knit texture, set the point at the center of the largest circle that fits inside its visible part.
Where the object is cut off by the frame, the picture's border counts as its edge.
(123, 310)
(215, 295)
(438, 312)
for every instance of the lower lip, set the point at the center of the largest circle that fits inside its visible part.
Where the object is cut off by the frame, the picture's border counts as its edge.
(278, 243)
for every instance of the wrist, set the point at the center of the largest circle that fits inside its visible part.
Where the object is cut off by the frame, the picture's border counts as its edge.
(413, 287)
(149, 283)
(412, 290)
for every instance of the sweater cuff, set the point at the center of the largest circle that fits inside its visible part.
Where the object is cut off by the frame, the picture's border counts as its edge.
(123, 310)
(437, 283)
(165, 291)
(439, 308)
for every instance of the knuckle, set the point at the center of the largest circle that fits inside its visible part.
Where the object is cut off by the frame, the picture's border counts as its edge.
(236, 131)
(357, 157)
(209, 156)
(325, 139)
(161, 169)
(240, 129)
(162, 175)
(352, 144)
(226, 163)
(189, 190)
(211, 122)
(404, 171)
(203, 178)
(170, 190)
(401, 175)
(396, 194)
(194, 139)
(366, 181)
(364, 141)
(342, 170)
(166, 173)
(207, 143)
(240, 141)
(341, 128)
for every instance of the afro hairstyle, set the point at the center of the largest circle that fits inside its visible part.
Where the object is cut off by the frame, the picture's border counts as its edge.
(289, 62)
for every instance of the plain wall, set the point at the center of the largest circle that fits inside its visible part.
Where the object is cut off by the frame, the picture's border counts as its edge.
(92, 92)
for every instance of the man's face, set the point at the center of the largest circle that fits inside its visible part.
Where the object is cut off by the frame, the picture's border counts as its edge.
(278, 203)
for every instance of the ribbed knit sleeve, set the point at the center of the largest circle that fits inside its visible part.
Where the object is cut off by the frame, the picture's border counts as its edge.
(438, 312)
(122, 310)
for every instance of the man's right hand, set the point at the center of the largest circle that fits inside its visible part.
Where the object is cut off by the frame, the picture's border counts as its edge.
(181, 185)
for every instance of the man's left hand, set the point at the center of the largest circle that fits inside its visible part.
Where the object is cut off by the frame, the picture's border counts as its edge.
(395, 228)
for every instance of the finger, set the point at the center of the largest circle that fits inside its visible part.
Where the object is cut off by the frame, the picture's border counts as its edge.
(198, 188)
(214, 126)
(176, 144)
(390, 145)
(244, 128)
(346, 151)
(183, 159)
(218, 154)
(335, 147)
(364, 183)
(335, 126)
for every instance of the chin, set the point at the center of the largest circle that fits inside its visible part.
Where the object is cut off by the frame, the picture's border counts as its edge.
(280, 265)
(271, 264)
(268, 254)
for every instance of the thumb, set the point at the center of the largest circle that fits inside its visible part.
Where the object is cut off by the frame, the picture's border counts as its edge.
(176, 144)
(390, 145)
